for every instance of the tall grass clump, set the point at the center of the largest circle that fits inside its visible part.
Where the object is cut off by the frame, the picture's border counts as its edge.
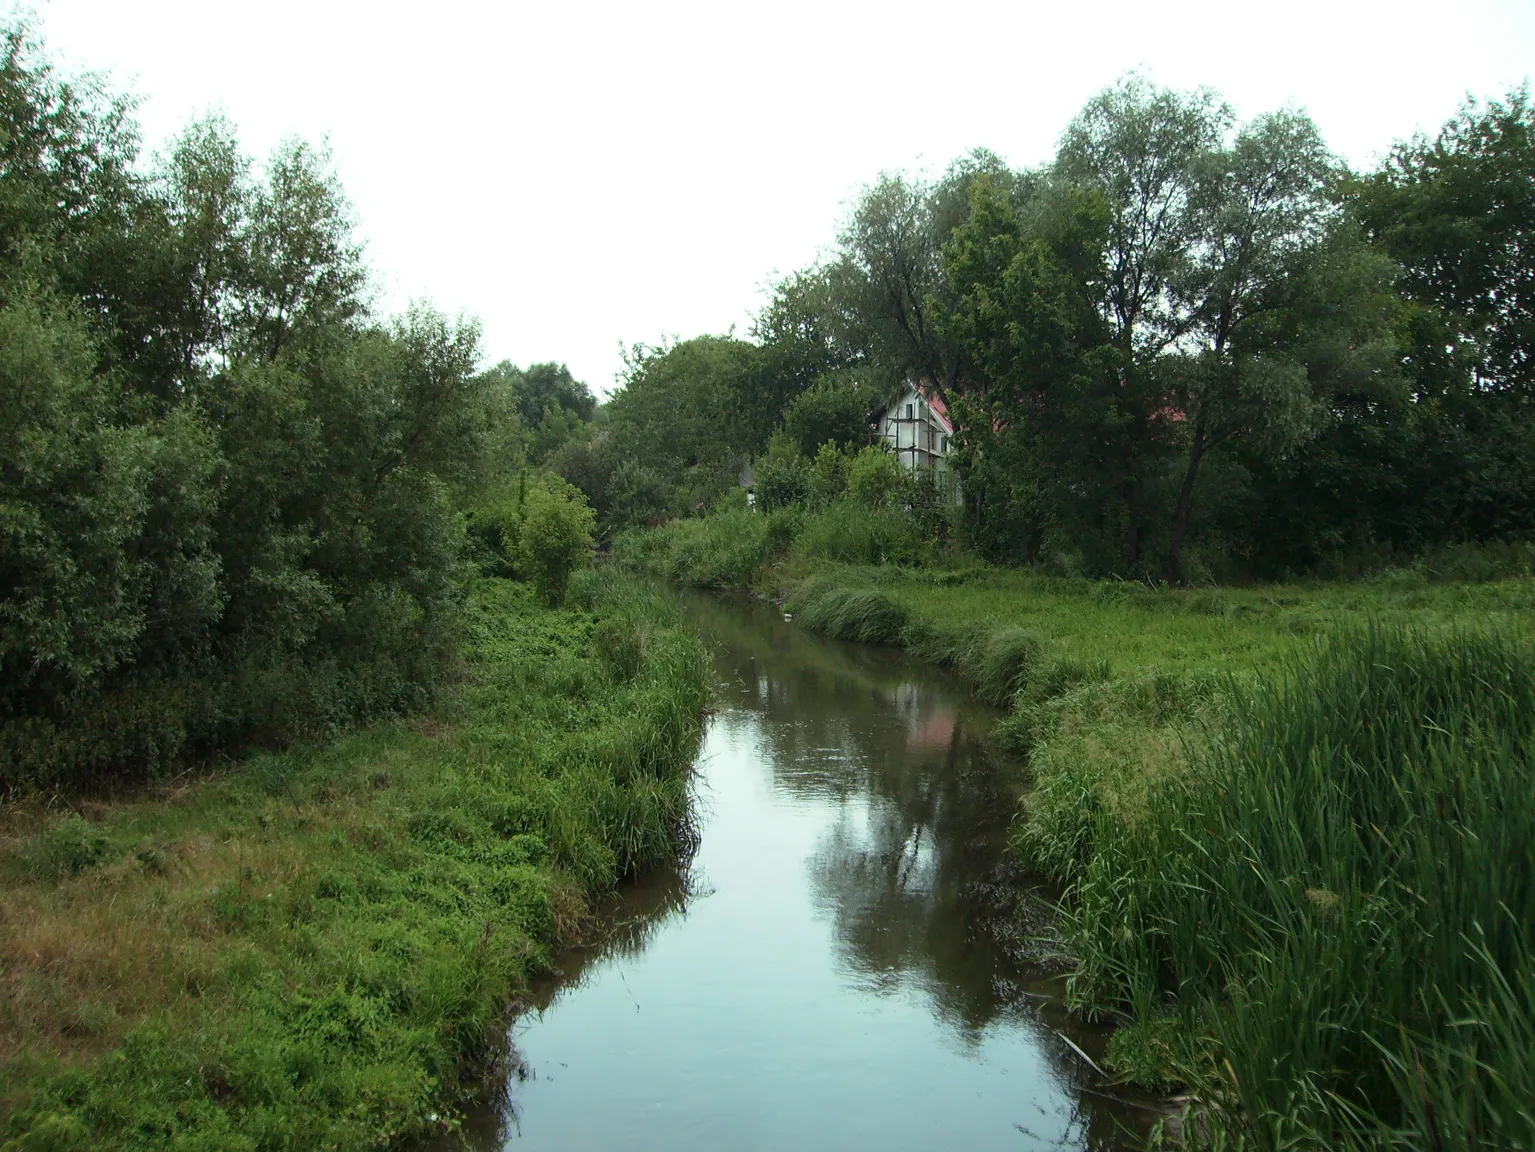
(727, 549)
(1338, 901)
(848, 532)
(850, 613)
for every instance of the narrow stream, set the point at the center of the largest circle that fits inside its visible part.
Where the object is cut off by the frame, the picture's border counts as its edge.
(848, 962)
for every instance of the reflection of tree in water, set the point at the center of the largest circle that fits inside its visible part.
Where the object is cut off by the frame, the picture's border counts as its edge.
(914, 870)
(908, 871)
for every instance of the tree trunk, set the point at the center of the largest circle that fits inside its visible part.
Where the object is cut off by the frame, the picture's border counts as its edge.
(1185, 503)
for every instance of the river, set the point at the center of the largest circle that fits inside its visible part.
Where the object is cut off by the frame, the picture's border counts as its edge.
(848, 961)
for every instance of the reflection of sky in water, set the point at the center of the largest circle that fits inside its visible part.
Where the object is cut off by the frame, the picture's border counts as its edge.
(832, 983)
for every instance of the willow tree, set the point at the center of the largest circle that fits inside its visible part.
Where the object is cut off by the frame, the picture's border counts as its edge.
(1206, 253)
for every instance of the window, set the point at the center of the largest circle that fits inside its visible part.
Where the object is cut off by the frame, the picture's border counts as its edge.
(908, 411)
(943, 443)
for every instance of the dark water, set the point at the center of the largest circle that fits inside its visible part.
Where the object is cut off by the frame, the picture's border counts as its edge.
(847, 963)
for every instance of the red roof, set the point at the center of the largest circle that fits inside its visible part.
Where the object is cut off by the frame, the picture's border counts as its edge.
(935, 402)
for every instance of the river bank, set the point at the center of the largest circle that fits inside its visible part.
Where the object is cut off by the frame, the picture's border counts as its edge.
(1237, 789)
(317, 948)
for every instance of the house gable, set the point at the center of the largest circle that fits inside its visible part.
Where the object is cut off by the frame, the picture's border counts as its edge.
(916, 427)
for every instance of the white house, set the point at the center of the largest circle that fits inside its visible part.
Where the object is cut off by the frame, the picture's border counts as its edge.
(916, 428)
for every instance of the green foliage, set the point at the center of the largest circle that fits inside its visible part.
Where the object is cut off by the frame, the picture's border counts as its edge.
(874, 477)
(850, 613)
(65, 848)
(834, 410)
(675, 415)
(725, 550)
(1339, 892)
(828, 474)
(851, 533)
(1455, 210)
(227, 495)
(552, 406)
(783, 476)
(554, 539)
(314, 948)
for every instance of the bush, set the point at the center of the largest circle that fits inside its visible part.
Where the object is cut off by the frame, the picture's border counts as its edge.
(828, 474)
(554, 538)
(783, 477)
(834, 410)
(228, 507)
(725, 550)
(874, 477)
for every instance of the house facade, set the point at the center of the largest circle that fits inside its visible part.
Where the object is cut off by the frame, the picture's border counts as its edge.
(915, 426)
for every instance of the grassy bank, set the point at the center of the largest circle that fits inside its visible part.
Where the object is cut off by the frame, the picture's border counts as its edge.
(317, 949)
(1293, 823)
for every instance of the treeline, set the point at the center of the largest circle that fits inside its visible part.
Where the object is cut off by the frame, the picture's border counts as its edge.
(1187, 347)
(232, 498)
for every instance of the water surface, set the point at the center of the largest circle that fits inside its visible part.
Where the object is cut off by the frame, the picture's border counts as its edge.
(849, 960)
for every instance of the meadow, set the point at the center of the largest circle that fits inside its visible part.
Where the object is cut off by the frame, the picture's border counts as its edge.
(318, 948)
(1292, 822)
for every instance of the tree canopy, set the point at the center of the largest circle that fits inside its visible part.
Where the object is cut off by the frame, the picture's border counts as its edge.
(1187, 346)
(228, 491)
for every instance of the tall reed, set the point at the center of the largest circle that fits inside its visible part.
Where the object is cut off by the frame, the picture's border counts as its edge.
(1342, 899)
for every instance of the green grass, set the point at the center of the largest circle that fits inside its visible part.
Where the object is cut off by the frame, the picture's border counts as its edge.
(317, 949)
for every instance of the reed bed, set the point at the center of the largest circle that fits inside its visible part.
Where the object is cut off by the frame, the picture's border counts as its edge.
(1335, 907)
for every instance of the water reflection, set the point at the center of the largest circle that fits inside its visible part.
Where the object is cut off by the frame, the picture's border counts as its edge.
(849, 962)
(913, 870)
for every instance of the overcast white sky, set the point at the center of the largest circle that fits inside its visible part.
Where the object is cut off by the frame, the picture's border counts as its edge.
(582, 174)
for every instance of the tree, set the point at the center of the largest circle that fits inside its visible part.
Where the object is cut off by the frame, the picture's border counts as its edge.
(676, 415)
(887, 283)
(1164, 292)
(802, 337)
(1458, 213)
(835, 410)
(1036, 427)
(228, 495)
(1271, 338)
(1141, 150)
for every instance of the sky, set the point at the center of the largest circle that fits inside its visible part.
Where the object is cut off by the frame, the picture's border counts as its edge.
(583, 176)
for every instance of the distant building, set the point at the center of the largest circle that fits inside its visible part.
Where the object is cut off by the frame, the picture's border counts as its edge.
(915, 426)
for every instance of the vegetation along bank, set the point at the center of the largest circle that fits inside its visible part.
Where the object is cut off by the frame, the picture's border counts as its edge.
(242, 514)
(1212, 465)
(1292, 821)
(316, 735)
(316, 948)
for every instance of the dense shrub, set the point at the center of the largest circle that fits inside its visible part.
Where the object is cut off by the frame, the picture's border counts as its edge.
(554, 539)
(725, 550)
(834, 410)
(227, 494)
(783, 478)
(874, 477)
